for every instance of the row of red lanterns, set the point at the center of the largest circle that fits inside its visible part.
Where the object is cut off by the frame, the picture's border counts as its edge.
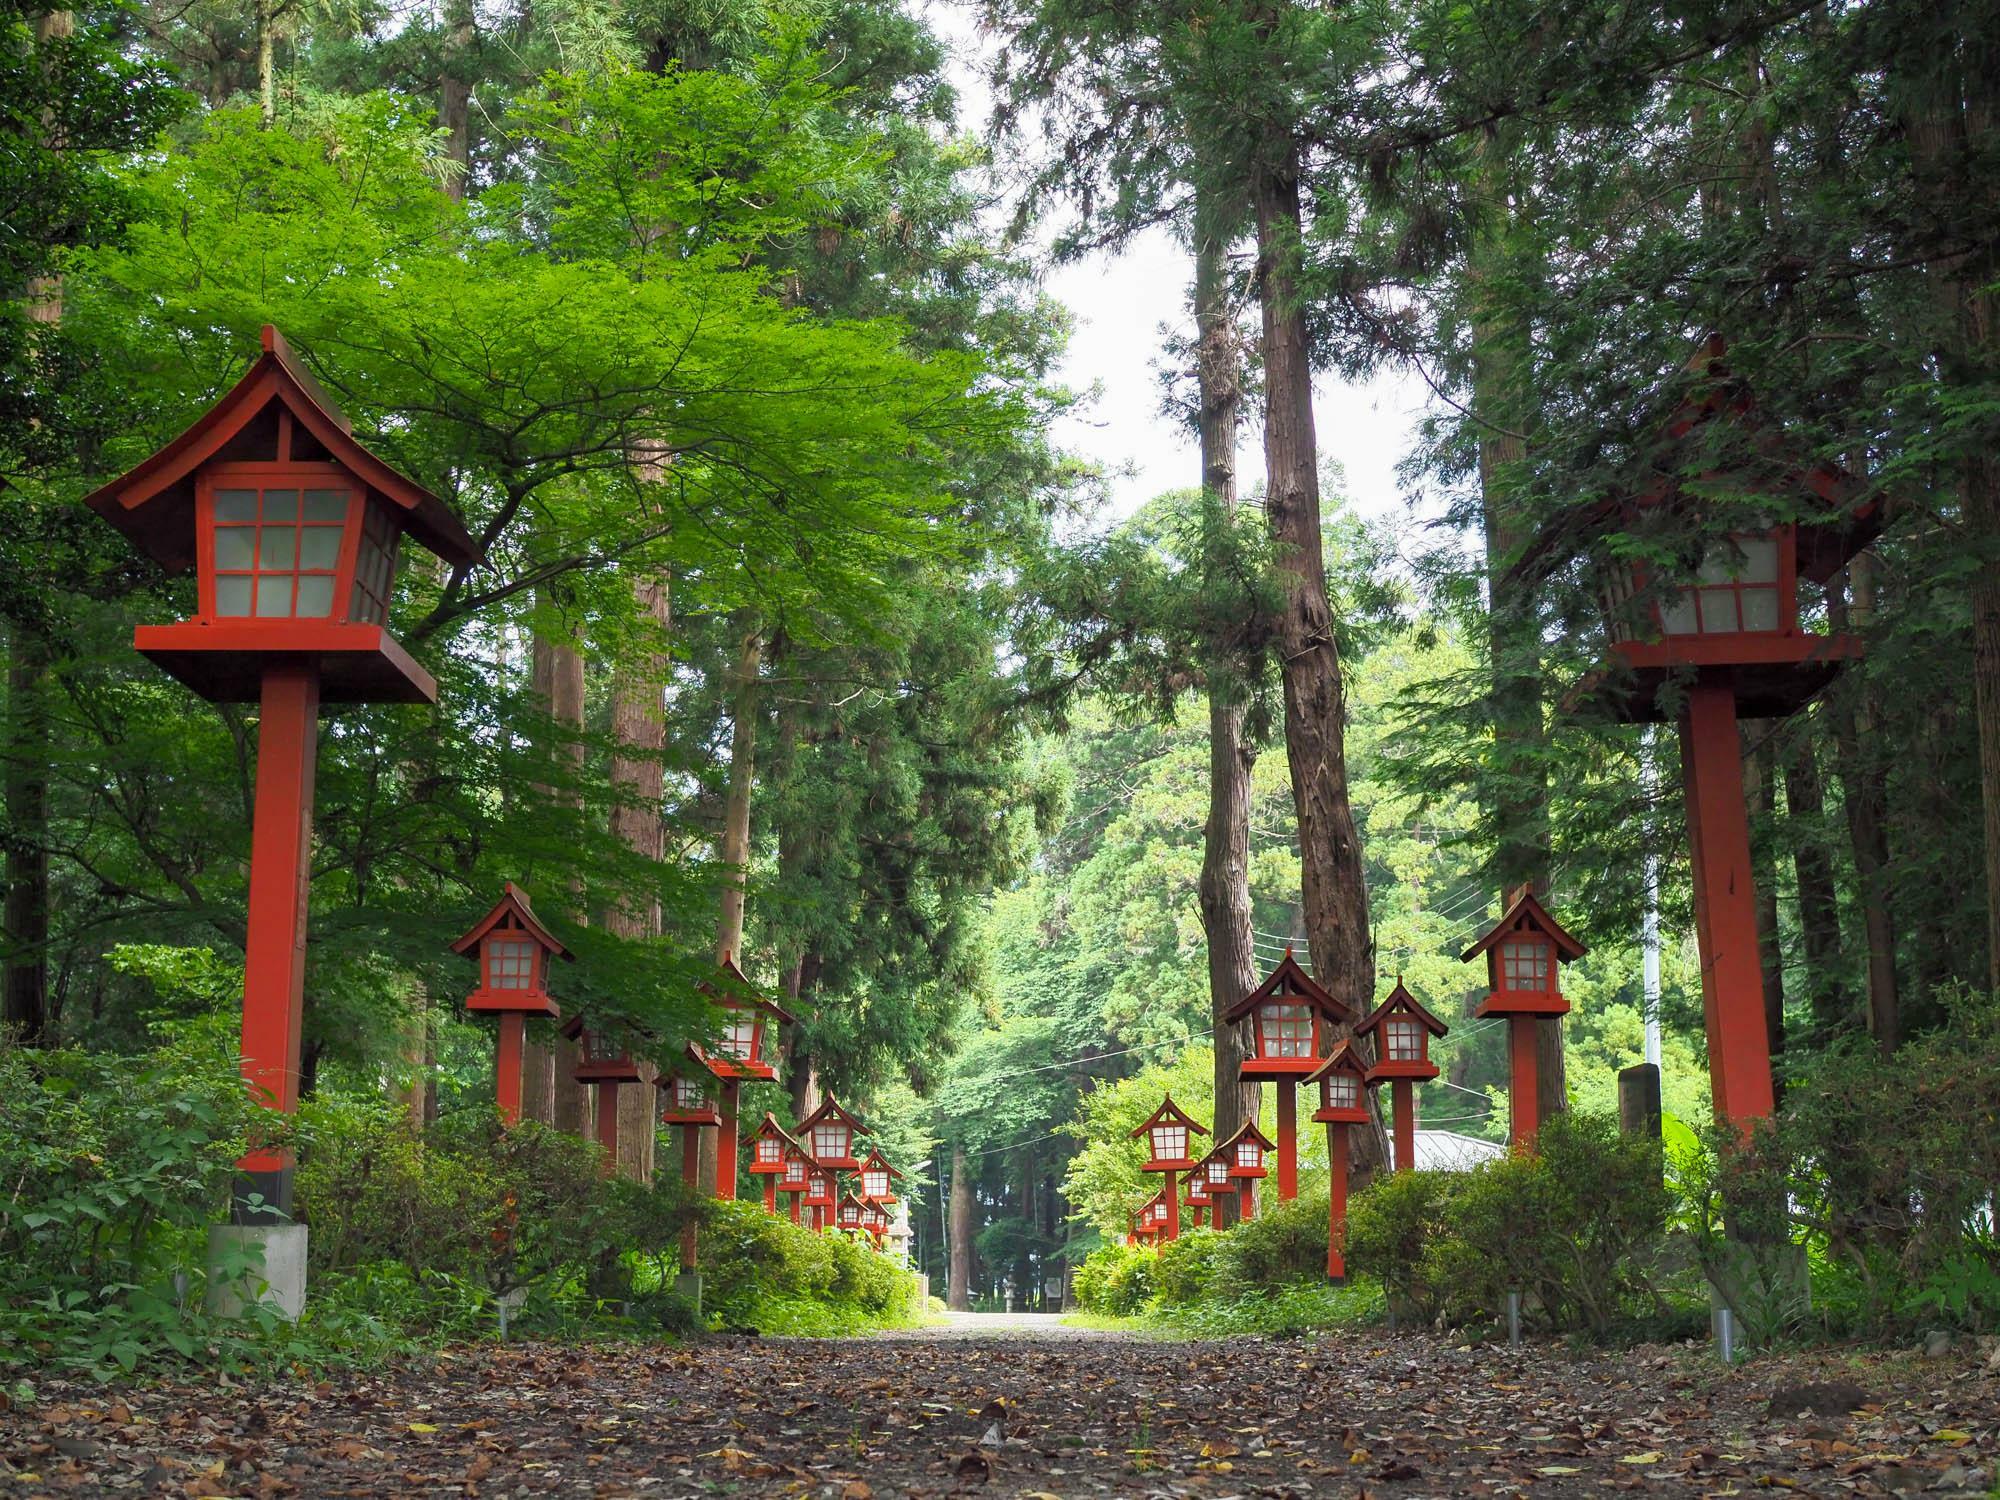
(700, 1091)
(1289, 1038)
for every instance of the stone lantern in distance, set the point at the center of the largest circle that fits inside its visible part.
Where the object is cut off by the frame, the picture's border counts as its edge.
(513, 951)
(1401, 1029)
(1523, 950)
(292, 529)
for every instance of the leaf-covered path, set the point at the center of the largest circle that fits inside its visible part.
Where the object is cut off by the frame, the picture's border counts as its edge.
(1017, 1413)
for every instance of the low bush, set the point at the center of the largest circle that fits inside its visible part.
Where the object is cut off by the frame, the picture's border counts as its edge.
(767, 1275)
(1185, 1269)
(1399, 1231)
(1116, 1281)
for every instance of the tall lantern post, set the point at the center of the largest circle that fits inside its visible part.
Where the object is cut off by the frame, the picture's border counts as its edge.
(1169, 1134)
(687, 1105)
(1523, 951)
(1343, 1104)
(1289, 1022)
(292, 529)
(513, 951)
(1717, 639)
(769, 1145)
(742, 1056)
(1401, 1029)
(608, 1065)
(1247, 1153)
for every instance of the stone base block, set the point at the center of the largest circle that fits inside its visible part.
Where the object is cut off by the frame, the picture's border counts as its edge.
(249, 1264)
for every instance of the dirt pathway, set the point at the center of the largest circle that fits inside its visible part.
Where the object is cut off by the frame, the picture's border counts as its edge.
(1024, 1411)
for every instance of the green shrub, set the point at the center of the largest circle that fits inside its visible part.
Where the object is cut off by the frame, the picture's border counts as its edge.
(1398, 1229)
(1115, 1281)
(1284, 1245)
(1185, 1268)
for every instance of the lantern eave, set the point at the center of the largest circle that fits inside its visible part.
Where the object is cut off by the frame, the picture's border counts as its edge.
(225, 662)
(1520, 1003)
(516, 1002)
(1410, 1068)
(1278, 1069)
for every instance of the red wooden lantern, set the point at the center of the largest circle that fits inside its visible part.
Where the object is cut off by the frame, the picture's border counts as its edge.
(853, 1212)
(687, 1096)
(829, 1133)
(513, 951)
(797, 1178)
(1288, 1025)
(821, 1193)
(1199, 1199)
(744, 1054)
(771, 1147)
(292, 528)
(1523, 950)
(602, 1061)
(875, 1219)
(1724, 627)
(876, 1179)
(1245, 1152)
(1401, 1030)
(1343, 1103)
(1169, 1134)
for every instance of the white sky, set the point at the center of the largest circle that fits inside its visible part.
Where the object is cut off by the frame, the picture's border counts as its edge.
(1121, 305)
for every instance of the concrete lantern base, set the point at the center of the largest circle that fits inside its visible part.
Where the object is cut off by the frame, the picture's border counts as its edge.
(688, 1285)
(274, 1257)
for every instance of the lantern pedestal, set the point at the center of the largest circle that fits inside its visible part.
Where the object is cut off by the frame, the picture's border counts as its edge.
(725, 1140)
(256, 1265)
(274, 951)
(1725, 905)
(1173, 1198)
(1523, 1104)
(1288, 1140)
(1336, 1204)
(607, 1125)
(690, 1179)
(1402, 1098)
(507, 1065)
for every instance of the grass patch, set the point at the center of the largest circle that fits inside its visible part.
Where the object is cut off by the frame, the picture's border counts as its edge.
(1279, 1312)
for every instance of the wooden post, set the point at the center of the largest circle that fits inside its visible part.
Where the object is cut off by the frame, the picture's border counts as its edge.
(607, 1124)
(1246, 1200)
(1522, 1041)
(725, 1139)
(1336, 1203)
(507, 1065)
(1288, 1140)
(793, 1206)
(1725, 905)
(274, 951)
(770, 1194)
(1173, 1206)
(1639, 1111)
(1404, 1095)
(691, 1180)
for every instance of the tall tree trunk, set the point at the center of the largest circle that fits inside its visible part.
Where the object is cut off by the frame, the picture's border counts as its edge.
(638, 735)
(266, 20)
(959, 1297)
(1520, 806)
(1333, 879)
(1819, 900)
(455, 95)
(1864, 791)
(549, 1090)
(734, 849)
(801, 1075)
(1225, 860)
(24, 980)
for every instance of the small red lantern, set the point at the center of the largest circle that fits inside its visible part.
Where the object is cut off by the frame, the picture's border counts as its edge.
(1343, 1102)
(821, 1193)
(1198, 1197)
(513, 951)
(742, 1055)
(1170, 1133)
(875, 1219)
(797, 1178)
(685, 1096)
(876, 1179)
(1402, 1030)
(1522, 952)
(605, 1063)
(1246, 1151)
(829, 1132)
(291, 527)
(852, 1212)
(1288, 1027)
(771, 1149)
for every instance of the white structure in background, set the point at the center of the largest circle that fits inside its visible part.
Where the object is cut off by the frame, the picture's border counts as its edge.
(1448, 1151)
(899, 1233)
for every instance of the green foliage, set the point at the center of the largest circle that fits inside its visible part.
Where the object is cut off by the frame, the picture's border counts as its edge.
(1183, 1269)
(1116, 1280)
(765, 1274)
(1576, 1228)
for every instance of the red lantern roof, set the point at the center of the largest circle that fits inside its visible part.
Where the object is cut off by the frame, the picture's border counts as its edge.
(829, 1133)
(1214, 1169)
(1291, 1016)
(1402, 1029)
(1169, 1133)
(743, 1053)
(876, 1175)
(770, 1145)
(513, 950)
(819, 1184)
(1522, 951)
(798, 1170)
(1343, 1087)
(225, 497)
(852, 1211)
(1245, 1151)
